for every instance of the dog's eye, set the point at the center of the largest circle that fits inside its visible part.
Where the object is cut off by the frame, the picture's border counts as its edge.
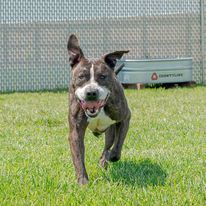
(102, 76)
(81, 76)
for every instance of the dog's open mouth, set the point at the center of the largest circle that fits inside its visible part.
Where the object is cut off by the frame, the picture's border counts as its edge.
(92, 108)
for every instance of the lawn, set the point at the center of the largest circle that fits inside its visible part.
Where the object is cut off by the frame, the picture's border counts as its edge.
(163, 158)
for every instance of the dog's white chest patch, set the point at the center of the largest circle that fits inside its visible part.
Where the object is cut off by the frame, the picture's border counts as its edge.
(100, 123)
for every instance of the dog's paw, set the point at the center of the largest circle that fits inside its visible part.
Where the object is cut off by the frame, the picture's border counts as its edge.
(83, 181)
(114, 156)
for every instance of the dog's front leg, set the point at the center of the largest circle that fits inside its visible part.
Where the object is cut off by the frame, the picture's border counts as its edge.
(76, 140)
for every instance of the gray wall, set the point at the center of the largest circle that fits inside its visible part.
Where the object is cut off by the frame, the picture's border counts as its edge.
(33, 36)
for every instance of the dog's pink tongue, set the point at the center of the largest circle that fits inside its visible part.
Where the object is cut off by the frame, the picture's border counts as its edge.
(91, 105)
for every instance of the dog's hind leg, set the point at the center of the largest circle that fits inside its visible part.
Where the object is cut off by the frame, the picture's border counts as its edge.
(109, 140)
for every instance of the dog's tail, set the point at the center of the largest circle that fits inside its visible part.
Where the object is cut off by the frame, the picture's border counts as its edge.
(119, 68)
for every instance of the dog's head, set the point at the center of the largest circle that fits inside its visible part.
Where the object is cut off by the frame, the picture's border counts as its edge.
(92, 79)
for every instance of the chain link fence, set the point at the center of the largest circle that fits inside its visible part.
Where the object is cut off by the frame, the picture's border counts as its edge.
(203, 39)
(34, 34)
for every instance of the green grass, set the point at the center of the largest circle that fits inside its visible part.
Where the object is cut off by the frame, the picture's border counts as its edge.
(163, 158)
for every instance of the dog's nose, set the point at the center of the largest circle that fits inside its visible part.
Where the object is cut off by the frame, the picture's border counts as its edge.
(92, 95)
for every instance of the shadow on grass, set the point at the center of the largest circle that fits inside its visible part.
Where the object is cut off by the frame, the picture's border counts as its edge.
(142, 173)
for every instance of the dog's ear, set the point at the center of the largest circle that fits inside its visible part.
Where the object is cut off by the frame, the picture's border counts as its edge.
(74, 50)
(111, 58)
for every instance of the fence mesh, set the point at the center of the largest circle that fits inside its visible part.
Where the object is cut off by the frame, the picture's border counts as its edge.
(34, 34)
(203, 39)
